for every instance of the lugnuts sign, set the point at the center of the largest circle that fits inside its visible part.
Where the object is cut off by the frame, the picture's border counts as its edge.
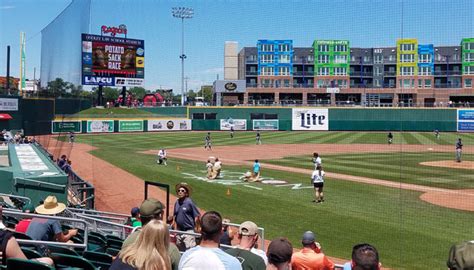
(112, 30)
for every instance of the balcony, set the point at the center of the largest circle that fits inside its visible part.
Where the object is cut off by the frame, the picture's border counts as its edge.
(448, 85)
(390, 73)
(359, 74)
(444, 73)
(303, 73)
(251, 73)
(251, 61)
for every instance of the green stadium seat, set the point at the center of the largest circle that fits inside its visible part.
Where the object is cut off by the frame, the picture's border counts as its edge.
(96, 243)
(30, 253)
(97, 234)
(98, 259)
(114, 243)
(111, 236)
(66, 261)
(112, 251)
(62, 250)
(26, 264)
(19, 235)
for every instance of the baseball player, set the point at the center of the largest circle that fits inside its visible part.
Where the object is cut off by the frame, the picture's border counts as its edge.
(316, 160)
(458, 150)
(232, 132)
(207, 141)
(390, 138)
(162, 157)
(436, 134)
(258, 140)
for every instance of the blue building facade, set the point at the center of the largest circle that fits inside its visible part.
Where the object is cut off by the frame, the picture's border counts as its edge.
(426, 60)
(275, 57)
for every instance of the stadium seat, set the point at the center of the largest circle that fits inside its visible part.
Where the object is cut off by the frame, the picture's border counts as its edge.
(19, 235)
(63, 261)
(26, 264)
(62, 250)
(112, 251)
(97, 234)
(30, 253)
(114, 243)
(96, 243)
(111, 236)
(98, 259)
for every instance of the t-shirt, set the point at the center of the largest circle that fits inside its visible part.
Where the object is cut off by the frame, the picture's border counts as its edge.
(5, 236)
(217, 165)
(23, 225)
(173, 251)
(316, 177)
(43, 229)
(256, 167)
(308, 259)
(199, 258)
(136, 222)
(247, 259)
(185, 213)
(260, 253)
(118, 264)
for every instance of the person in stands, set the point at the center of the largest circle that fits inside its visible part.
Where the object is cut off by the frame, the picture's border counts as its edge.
(311, 256)
(279, 254)
(364, 257)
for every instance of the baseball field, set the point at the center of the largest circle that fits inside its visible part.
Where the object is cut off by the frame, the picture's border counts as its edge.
(409, 199)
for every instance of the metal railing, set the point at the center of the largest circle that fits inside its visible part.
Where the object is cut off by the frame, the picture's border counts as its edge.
(17, 197)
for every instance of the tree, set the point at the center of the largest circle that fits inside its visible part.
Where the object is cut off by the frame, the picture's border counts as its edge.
(110, 93)
(206, 92)
(138, 92)
(191, 96)
(57, 88)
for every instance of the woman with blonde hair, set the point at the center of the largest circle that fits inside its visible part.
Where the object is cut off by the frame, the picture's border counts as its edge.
(317, 178)
(149, 252)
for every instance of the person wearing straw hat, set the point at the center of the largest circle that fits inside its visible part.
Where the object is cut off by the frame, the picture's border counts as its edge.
(45, 229)
(186, 217)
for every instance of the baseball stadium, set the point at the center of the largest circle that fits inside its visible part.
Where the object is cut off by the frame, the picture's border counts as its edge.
(327, 156)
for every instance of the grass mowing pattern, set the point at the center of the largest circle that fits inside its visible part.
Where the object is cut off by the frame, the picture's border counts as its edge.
(112, 113)
(409, 233)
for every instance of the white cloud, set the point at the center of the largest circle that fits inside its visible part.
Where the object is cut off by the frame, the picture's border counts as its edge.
(6, 7)
(212, 71)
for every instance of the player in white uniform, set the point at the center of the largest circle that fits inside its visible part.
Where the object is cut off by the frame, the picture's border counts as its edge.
(317, 178)
(316, 160)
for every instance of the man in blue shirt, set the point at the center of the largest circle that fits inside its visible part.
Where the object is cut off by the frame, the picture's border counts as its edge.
(186, 217)
(256, 170)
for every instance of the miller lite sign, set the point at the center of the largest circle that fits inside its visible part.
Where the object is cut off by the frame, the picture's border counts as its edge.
(310, 119)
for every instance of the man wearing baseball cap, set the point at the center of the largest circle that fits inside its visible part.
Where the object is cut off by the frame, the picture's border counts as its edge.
(248, 236)
(310, 257)
(151, 209)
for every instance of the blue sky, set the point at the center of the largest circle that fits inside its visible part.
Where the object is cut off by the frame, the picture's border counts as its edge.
(365, 23)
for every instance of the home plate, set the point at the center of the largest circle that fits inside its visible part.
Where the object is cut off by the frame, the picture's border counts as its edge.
(430, 149)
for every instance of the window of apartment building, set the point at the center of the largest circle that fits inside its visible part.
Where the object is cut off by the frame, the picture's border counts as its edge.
(284, 47)
(467, 83)
(469, 57)
(340, 48)
(469, 70)
(424, 58)
(353, 58)
(268, 71)
(321, 84)
(323, 59)
(340, 71)
(424, 71)
(469, 46)
(407, 47)
(340, 59)
(378, 59)
(427, 83)
(455, 57)
(366, 59)
(286, 83)
(266, 47)
(284, 58)
(376, 82)
(323, 48)
(266, 58)
(407, 83)
(323, 71)
(391, 58)
(283, 71)
(342, 83)
(407, 58)
(407, 71)
(267, 83)
(252, 58)
(377, 71)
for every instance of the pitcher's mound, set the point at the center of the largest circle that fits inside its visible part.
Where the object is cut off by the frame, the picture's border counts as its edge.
(450, 164)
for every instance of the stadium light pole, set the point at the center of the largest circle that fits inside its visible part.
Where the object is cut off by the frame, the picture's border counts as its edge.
(182, 13)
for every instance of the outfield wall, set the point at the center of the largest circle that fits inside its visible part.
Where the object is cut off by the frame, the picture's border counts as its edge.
(336, 119)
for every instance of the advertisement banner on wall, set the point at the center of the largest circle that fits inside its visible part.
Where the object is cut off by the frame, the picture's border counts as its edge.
(238, 124)
(169, 125)
(8, 104)
(265, 125)
(94, 126)
(310, 119)
(130, 125)
(465, 120)
(66, 126)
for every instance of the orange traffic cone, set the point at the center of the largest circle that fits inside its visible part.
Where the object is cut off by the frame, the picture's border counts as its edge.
(228, 192)
(178, 168)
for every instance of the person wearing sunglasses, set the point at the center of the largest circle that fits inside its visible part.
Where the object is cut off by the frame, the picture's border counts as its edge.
(186, 217)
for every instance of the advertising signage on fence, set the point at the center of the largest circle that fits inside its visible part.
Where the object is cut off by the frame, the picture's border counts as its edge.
(310, 119)
(465, 120)
(130, 125)
(94, 126)
(112, 61)
(8, 104)
(238, 124)
(265, 125)
(66, 126)
(169, 125)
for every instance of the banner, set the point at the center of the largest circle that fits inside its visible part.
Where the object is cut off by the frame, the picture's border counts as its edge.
(8, 104)
(130, 125)
(265, 125)
(465, 120)
(238, 124)
(310, 119)
(94, 126)
(169, 125)
(66, 126)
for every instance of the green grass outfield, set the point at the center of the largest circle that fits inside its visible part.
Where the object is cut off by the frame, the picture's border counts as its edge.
(409, 233)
